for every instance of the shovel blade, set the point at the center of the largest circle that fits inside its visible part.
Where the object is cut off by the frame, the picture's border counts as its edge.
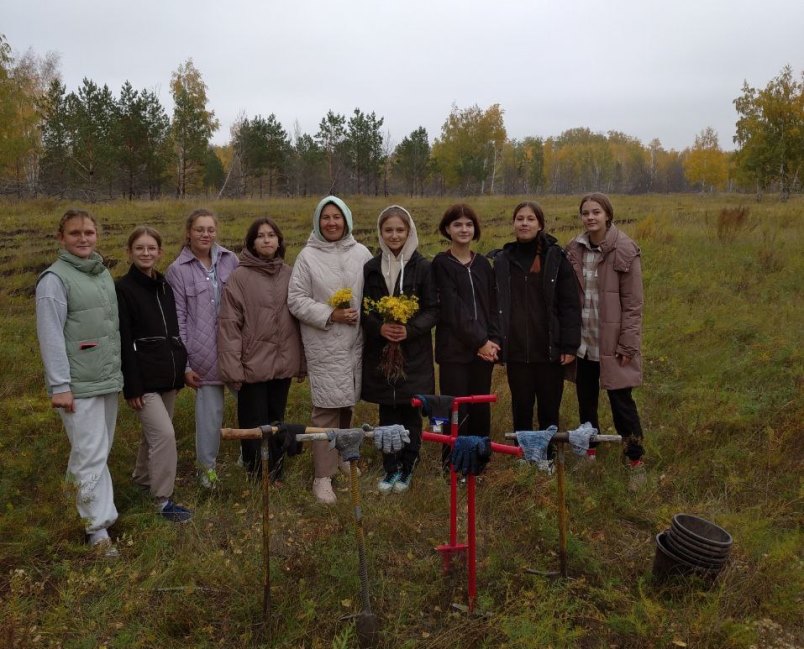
(368, 629)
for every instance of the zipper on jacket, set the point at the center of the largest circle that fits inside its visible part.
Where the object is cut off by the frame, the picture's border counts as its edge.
(472, 287)
(167, 333)
(527, 312)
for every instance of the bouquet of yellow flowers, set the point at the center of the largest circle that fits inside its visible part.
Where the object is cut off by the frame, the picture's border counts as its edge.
(341, 299)
(397, 309)
(393, 309)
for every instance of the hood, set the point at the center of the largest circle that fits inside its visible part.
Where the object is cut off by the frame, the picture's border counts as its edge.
(412, 242)
(347, 215)
(392, 266)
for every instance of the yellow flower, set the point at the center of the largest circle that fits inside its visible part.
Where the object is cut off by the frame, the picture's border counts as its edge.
(397, 309)
(341, 299)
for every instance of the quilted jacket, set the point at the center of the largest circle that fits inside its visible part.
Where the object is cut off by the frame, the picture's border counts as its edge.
(333, 350)
(197, 309)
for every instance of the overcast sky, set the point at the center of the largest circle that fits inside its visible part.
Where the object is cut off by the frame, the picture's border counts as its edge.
(652, 69)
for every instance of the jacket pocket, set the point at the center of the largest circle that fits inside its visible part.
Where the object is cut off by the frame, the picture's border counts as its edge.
(89, 358)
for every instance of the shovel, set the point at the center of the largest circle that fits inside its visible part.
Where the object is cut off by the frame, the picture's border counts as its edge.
(366, 624)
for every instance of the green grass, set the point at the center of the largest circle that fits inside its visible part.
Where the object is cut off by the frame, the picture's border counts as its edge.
(722, 406)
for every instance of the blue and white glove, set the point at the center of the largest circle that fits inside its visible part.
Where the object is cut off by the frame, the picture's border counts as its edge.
(534, 443)
(579, 438)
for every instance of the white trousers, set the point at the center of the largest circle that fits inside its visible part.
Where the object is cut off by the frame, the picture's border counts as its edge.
(90, 430)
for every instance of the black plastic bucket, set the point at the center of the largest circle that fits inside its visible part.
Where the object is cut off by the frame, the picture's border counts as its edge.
(701, 531)
(685, 545)
(692, 555)
(667, 563)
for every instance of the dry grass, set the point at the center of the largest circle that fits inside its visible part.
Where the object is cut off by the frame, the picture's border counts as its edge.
(722, 406)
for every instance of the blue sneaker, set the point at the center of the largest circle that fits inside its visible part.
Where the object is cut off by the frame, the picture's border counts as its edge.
(175, 513)
(386, 485)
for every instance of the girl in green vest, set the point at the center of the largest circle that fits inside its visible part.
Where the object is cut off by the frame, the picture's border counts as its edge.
(77, 327)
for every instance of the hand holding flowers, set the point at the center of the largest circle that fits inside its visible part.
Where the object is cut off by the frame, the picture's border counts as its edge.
(343, 311)
(395, 311)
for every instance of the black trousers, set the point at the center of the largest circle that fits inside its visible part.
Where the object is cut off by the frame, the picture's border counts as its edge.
(409, 417)
(259, 404)
(623, 408)
(539, 383)
(461, 380)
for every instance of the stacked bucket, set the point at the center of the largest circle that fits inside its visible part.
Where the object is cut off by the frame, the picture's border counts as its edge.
(691, 545)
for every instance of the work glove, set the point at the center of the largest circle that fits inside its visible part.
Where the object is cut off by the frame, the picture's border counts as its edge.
(435, 406)
(534, 443)
(579, 438)
(285, 435)
(391, 439)
(347, 441)
(470, 454)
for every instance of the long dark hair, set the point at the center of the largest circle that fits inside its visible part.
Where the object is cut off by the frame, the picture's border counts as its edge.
(536, 267)
(254, 228)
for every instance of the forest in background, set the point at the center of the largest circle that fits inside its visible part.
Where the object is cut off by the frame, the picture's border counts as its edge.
(91, 144)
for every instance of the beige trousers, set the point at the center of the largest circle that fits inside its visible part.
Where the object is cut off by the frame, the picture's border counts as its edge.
(325, 461)
(156, 459)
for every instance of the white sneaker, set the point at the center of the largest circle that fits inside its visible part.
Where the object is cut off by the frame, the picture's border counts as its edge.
(322, 490)
(102, 545)
(545, 466)
(387, 484)
(403, 484)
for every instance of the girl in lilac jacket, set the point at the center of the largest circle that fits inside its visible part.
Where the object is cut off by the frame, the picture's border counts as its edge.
(197, 278)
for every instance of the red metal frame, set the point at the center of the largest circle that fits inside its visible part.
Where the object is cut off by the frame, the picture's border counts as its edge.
(447, 550)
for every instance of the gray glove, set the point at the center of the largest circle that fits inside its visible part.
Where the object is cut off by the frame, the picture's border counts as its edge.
(534, 443)
(391, 439)
(579, 438)
(347, 441)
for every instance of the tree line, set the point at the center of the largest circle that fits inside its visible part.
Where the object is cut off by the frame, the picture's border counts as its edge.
(93, 144)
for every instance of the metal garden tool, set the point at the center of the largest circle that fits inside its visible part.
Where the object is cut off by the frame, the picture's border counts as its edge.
(348, 444)
(576, 438)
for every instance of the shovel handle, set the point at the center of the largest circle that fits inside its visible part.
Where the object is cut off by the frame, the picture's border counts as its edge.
(311, 434)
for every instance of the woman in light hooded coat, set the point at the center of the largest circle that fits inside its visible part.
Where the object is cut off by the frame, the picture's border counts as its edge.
(333, 343)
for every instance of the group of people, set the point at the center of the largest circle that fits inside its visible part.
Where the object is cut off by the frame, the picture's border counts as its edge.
(252, 324)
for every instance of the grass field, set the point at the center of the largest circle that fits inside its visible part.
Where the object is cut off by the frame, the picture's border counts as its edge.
(722, 408)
